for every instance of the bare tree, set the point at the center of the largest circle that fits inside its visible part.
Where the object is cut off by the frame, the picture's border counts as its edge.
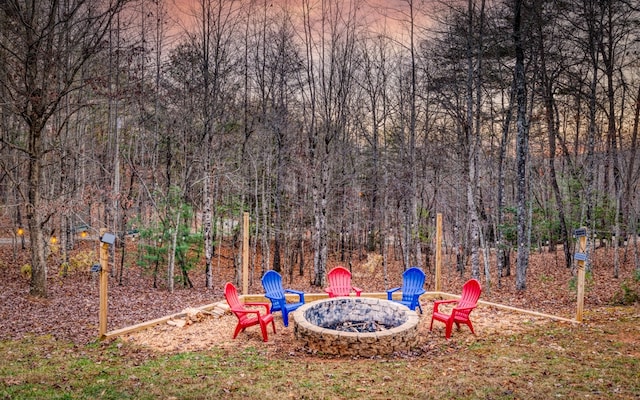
(330, 51)
(618, 26)
(472, 136)
(43, 68)
(216, 23)
(522, 148)
(550, 69)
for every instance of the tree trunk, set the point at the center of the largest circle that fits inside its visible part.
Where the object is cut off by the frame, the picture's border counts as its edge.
(632, 174)
(172, 254)
(414, 245)
(607, 49)
(594, 37)
(38, 286)
(522, 152)
(503, 249)
(207, 229)
(320, 231)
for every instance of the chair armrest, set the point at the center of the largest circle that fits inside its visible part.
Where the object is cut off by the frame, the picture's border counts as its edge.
(357, 290)
(421, 292)
(437, 303)
(236, 311)
(296, 292)
(391, 291)
(328, 290)
(281, 301)
(265, 305)
(464, 308)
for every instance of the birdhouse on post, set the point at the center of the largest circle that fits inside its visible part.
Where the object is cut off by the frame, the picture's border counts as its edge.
(105, 240)
(581, 258)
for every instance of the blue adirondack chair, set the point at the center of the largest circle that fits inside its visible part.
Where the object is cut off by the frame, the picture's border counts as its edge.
(272, 284)
(412, 288)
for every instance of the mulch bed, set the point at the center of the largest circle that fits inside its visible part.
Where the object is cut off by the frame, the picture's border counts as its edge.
(215, 331)
(71, 310)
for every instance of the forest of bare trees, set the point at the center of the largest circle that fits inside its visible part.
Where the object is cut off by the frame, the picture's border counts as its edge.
(342, 126)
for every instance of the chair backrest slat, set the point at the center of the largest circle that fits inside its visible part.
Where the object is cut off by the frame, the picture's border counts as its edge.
(412, 282)
(470, 294)
(231, 295)
(272, 283)
(340, 281)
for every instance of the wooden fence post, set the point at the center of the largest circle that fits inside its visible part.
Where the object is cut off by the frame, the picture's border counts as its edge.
(438, 252)
(245, 254)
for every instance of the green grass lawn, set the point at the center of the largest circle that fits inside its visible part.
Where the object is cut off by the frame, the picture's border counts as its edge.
(599, 359)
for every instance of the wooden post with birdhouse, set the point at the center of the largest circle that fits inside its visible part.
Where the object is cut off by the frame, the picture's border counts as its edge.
(106, 239)
(581, 258)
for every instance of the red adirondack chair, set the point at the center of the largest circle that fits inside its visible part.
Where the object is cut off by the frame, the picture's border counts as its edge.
(248, 317)
(340, 283)
(460, 314)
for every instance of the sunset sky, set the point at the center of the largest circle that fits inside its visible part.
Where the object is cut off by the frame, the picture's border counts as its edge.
(389, 16)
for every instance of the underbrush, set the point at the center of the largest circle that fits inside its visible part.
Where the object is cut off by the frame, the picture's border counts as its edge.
(629, 292)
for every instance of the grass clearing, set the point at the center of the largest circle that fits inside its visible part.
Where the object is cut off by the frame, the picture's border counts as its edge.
(598, 360)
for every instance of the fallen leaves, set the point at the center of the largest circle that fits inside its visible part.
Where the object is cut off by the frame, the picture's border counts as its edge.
(71, 311)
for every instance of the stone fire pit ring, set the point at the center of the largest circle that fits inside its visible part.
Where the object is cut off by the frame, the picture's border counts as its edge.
(314, 322)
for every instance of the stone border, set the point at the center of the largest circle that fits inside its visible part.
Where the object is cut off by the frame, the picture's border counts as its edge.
(368, 344)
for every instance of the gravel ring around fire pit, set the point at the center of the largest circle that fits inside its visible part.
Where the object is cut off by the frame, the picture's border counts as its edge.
(397, 326)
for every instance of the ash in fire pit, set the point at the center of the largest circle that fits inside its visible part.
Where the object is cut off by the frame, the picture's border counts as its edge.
(356, 326)
(366, 326)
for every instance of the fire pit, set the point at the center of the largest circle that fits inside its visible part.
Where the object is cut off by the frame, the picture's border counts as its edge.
(356, 326)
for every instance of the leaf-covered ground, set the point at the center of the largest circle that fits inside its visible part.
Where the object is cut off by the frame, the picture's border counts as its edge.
(71, 311)
(513, 355)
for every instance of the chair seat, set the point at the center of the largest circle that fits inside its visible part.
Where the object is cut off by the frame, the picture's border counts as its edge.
(263, 317)
(293, 306)
(289, 306)
(405, 303)
(445, 317)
